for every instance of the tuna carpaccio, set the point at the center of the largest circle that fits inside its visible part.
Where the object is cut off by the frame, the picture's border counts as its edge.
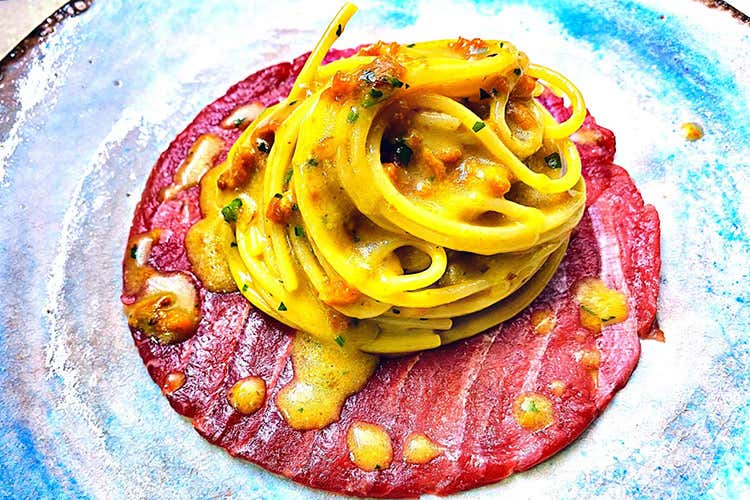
(439, 421)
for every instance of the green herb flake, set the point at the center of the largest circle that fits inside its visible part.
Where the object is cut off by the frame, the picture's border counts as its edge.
(288, 176)
(134, 252)
(588, 310)
(345, 372)
(355, 238)
(478, 126)
(231, 211)
(501, 44)
(295, 207)
(396, 83)
(492, 55)
(339, 30)
(553, 161)
(282, 307)
(410, 45)
(529, 405)
(376, 93)
(245, 288)
(377, 466)
(517, 71)
(233, 244)
(299, 231)
(312, 162)
(301, 409)
(396, 310)
(483, 94)
(263, 146)
(340, 340)
(278, 195)
(352, 116)
(237, 122)
(406, 86)
(293, 102)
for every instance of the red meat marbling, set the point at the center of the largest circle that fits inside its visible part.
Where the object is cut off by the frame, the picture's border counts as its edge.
(461, 395)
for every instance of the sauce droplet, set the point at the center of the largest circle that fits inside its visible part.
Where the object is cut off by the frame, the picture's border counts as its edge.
(599, 305)
(533, 411)
(199, 160)
(172, 382)
(242, 116)
(369, 446)
(543, 321)
(420, 449)
(325, 374)
(247, 395)
(692, 131)
(557, 387)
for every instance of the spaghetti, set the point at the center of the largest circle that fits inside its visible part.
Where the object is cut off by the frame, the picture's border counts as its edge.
(402, 198)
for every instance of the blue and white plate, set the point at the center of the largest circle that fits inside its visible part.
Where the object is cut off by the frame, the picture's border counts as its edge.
(86, 110)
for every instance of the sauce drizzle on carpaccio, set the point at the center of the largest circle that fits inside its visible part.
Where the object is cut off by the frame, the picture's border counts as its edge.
(555, 369)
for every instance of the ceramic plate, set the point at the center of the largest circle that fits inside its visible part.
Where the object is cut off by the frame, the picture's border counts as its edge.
(86, 109)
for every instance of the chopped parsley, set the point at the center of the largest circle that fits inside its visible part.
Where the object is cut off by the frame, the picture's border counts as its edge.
(478, 126)
(410, 45)
(483, 94)
(282, 307)
(238, 122)
(355, 238)
(553, 160)
(339, 30)
(288, 176)
(263, 146)
(245, 287)
(293, 102)
(396, 310)
(299, 231)
(492, 55)
(233, 244)
(301, 409)
(312, 162)
(134, 252)
(352, 116)
(231, 211)
(517, 71)
(340, 340)
(396, 83)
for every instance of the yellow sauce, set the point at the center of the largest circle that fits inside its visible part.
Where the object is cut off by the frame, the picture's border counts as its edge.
(324, 376)
(242, 116)
(599, 306)
(247, 395)
(370, 447)
(173, 382)
(205, 243)
(692, 131)
(543, 321)
(200, 159)
(420, 449)
(533, 411)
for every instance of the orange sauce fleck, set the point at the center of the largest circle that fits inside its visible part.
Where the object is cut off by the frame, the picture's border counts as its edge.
(692, 131)
(589, 358)
(247, 395)
(533, 411)
(543, 321)
(370, 446)
(420, 449)
(557, 387)
(172, 382)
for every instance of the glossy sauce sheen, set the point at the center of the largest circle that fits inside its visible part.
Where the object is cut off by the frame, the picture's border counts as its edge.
(481, 439)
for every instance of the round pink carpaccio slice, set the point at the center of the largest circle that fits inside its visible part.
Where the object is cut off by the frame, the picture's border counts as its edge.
(461, 395)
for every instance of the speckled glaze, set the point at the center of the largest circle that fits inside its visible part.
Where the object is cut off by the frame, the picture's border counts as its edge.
(85, 113)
